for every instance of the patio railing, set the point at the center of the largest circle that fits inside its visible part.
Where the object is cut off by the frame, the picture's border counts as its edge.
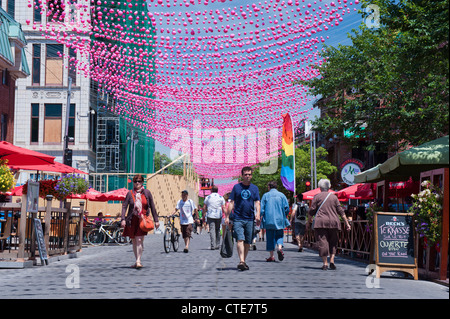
(62, 227)
(355, 243)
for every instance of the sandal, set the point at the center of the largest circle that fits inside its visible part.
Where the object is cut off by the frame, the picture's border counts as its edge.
(280, 255)
(270, 259)
(242, 266)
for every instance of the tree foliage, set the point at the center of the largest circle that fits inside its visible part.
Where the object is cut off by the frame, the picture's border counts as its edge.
(162, 160)
(302, 171)
(391, 84)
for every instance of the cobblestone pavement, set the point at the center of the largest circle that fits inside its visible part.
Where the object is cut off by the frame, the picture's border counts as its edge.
(104, 272)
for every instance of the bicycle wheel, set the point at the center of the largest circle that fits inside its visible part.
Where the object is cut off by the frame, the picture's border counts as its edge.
(120, 239)
(96, 237)
(167, 239)
(175, 237)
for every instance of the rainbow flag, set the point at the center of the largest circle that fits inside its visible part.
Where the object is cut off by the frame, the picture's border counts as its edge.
(288, 154)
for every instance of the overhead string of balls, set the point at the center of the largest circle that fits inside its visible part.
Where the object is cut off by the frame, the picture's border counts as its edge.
(227, 65)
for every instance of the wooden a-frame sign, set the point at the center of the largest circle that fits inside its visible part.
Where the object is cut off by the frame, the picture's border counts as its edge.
(394, 243)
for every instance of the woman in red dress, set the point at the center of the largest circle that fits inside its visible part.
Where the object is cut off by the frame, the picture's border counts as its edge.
(138, 202)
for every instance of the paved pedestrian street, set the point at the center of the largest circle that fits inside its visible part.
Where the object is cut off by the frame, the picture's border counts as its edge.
(104, 272)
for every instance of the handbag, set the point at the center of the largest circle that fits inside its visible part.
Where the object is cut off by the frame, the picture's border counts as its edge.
(312, 225)
(226, 250)
(146, 223)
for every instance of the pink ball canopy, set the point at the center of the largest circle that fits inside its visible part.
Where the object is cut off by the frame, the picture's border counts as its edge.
(210, 78)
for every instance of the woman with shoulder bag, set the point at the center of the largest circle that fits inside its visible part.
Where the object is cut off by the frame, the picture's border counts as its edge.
(138, 202)
(327, 209)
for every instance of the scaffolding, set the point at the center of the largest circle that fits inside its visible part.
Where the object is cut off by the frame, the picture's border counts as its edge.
(107, 141)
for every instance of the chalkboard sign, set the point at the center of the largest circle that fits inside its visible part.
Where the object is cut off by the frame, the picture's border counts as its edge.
(394, 241)
(40, 241)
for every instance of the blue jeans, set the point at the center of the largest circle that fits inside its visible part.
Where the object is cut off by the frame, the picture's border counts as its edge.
(243, 230)
(274, 238)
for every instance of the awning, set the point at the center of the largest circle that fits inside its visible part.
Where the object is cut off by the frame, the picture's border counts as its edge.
(410, 163)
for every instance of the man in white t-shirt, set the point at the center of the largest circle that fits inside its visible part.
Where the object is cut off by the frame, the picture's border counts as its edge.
(213, 208)
(188, 213)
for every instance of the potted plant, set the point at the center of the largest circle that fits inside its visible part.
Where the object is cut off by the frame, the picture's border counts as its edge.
(71, 184)
(427, 210)
(61, 189)
(6, 177)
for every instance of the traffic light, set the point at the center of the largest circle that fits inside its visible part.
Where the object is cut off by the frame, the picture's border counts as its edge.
(308, 184)
(67, 158)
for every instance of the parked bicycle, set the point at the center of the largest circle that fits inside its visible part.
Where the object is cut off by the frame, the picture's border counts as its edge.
(171, 234)
(97, 236)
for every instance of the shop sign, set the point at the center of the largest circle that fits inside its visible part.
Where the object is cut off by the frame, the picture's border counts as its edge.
(349, 169)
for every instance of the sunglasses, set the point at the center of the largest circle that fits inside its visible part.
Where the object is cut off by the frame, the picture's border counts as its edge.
(248, 174)
(138, 182)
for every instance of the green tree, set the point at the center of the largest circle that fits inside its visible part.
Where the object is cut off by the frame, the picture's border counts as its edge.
(391, 84)
(162, 160)
(302, 171)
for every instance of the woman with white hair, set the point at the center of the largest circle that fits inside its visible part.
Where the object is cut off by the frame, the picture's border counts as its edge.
(327, 209)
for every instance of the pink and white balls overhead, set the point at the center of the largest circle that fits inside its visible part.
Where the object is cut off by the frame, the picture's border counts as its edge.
(224, 64)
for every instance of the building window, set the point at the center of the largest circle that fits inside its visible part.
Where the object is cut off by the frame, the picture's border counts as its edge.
(73, 12)
(5, 77)
(71, 132)
(55, 11)
(52, 123)
(34, 123)
(37, 14)
(3, 127)
(36, 64)
(54, 64)
(72, 66)
(11, 8)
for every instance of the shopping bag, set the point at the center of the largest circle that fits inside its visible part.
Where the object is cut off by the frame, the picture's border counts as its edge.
(226, 250)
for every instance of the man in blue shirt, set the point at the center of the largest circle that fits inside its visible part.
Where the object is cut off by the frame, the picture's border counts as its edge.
(246, 204)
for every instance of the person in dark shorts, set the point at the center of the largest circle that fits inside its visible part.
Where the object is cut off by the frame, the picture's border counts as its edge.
(188, 214)
(299, 220)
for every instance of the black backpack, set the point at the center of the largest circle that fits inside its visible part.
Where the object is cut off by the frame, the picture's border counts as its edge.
(301, 212)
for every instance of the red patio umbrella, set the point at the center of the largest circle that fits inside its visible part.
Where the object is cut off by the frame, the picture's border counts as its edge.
(16, 191)
(49, 167)
(356, 191)
(396, 189)
(22, 156)
(118, 194)
(91, 194)
(366, 191)
(309, 195)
